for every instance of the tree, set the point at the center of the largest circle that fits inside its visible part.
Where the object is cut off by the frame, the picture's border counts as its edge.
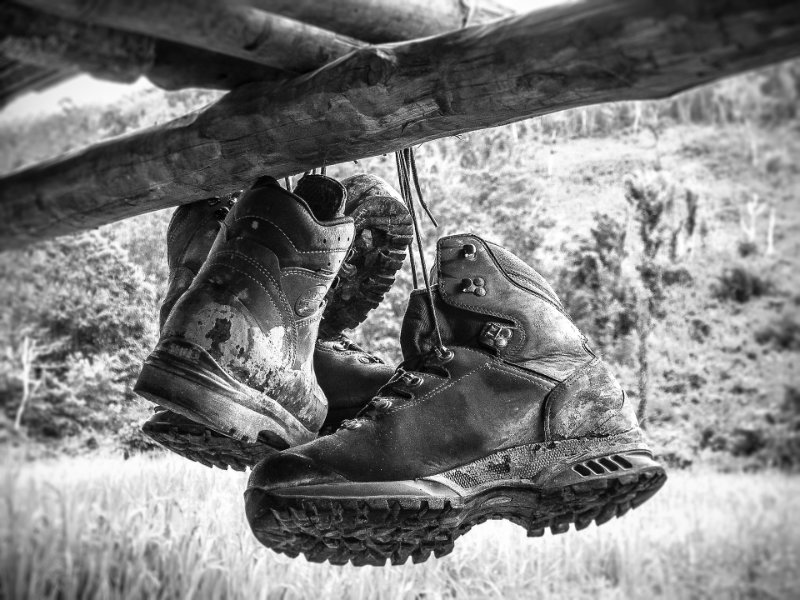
(88, 314)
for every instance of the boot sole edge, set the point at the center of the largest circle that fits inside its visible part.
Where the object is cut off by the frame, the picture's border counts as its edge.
(369, 285)
(356, 529)
(202, 445)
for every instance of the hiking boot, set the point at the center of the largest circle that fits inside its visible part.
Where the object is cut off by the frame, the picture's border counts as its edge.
(236, 352)
(508, 416)
(350, 377)
(383, 234)
(336, 359)
(190, 235)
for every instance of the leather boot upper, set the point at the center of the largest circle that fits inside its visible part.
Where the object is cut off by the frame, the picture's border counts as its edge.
(519, 372)
(190, 235)
(255, 305)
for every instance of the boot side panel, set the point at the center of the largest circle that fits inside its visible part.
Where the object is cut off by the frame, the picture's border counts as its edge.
(484, 406)
(262, 358)
(217, 321)
(590, 403)
(180, 278)
(527, 315)
(236, 311)
(190, 235)
(523, 274)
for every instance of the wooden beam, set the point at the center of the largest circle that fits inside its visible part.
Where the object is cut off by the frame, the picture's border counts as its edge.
(51, 42)
(230, 28)
(379, 21)
(45, 40)
(384, 98)
(17, 78)
(64, 47)
(178, 66)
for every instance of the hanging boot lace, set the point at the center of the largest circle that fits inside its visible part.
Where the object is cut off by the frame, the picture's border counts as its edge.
(407, 377)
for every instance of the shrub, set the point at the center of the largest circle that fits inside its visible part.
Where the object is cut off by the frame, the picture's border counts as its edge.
(594, 289)
(740, 284)
(783, 332)
(90, 315)
(747, 248)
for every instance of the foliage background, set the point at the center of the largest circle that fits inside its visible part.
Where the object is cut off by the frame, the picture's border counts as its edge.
(79, 313)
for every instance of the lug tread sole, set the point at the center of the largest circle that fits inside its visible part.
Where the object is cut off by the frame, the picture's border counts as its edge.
(372, 531)
(202, 445)
(383, 234)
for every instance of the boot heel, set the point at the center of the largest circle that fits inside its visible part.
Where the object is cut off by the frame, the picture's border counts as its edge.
(185, 379)
(597, 490)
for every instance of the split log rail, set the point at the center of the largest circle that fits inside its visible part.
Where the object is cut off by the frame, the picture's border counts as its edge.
(359, 100)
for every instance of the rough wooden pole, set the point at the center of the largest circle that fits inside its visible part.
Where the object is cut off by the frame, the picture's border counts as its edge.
(230, 28)
(51, 42)
(378, 21)
(16, 78)
(63, 47)
(383, 98)
(45, 40)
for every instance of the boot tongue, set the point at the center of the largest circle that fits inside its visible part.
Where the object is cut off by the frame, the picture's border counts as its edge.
(324, 196)
(417, 336)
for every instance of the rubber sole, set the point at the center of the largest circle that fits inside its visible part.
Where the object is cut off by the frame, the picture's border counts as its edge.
(383, 234)
(373, 529)
(184, 379)
(202, 445)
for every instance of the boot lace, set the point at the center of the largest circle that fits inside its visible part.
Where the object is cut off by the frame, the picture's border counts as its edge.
(406, 172)
(400, 387)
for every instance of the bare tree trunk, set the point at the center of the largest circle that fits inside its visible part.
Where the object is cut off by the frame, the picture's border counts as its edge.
(644, 326)
(28, 356)
(771, 233)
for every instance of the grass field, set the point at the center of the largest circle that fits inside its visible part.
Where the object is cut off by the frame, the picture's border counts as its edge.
(164, 528)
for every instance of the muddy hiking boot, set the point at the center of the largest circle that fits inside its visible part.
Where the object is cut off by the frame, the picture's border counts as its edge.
(509, 416)
(383, 235)
(191, 234)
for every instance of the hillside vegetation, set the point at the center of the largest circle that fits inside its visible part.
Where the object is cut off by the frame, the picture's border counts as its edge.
(669, 228)
(169, 529)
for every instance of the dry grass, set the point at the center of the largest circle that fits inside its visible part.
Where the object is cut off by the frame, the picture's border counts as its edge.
(164, 528)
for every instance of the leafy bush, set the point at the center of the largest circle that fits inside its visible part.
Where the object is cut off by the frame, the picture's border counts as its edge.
(783, 332)
(774, 441)
(741, 284)
(86, 316)
(594, 289)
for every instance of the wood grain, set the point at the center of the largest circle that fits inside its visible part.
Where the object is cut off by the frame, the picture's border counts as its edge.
(379, 21)
(55, 43)
(380, 99)
(230, 28)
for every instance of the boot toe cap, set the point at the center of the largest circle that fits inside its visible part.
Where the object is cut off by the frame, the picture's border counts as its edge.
(290, 469)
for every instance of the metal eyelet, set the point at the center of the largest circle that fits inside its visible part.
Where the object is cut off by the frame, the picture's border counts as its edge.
(383, 404)
(444, 355)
